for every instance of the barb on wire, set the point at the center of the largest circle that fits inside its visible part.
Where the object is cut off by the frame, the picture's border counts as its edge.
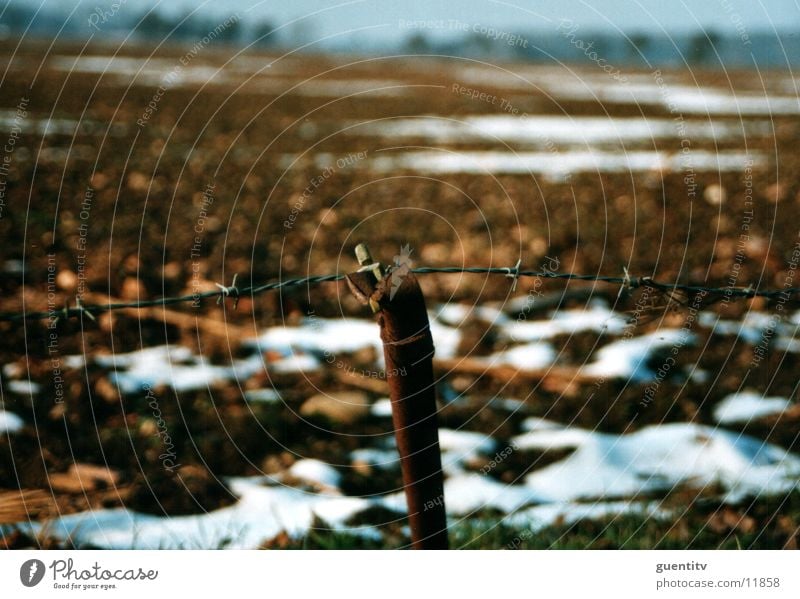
(82, 309)
(232, 291)
(626, 282)
(513, 274)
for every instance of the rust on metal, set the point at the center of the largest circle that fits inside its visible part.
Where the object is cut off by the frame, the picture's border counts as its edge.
(408, 350)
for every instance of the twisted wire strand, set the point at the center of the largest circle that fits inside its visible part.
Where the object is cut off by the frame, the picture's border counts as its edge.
(628, 281)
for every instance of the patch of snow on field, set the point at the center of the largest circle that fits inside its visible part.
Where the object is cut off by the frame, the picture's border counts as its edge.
(468, 492)
(300, 349)
(531, 356)
(22, 387)
(465, 444)
(543, 130)
(595, 318)
(628, 358)
(559, 164)
(143, 71)
(318, 335)
(705, 101)
(788, 344)
(639, 90)
(295, 363)
(445, 340)
(382, 408)
(534, 423)
(343, 335)
(603, 466)
(459, 447)
(315, 471)
(151, 357)
(55, 126)
(384, 459)
(750, 328)
(456, 314)
(556, 437)
(746, 406)
(661, 457)
(197, 374)
(261, 513)
(10, 422)
(179, 368)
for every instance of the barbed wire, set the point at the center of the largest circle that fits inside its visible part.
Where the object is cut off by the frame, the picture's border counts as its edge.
(626, 282)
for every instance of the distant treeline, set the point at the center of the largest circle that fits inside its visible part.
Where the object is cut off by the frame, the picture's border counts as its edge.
(567, 42)
(570, 43)
(119, 20)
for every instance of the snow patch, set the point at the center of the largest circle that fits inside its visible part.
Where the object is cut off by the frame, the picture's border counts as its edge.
(628, 358)
(10, 422)
(595, 318)
(661, 457)
(748, 405)
(315, 471)
(531, 356)
(558, 165)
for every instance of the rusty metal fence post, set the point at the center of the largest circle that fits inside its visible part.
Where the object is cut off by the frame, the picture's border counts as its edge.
(408, 350)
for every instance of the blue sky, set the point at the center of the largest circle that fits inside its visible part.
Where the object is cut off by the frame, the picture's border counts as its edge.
(652, 15)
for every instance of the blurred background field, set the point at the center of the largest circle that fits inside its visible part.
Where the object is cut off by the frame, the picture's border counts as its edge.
(572, 414)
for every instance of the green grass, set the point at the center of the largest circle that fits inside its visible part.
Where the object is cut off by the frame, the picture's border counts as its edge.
(768, 523)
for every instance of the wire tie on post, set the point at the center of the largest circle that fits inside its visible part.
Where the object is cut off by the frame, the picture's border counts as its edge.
(232, 291)
(364, 258)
